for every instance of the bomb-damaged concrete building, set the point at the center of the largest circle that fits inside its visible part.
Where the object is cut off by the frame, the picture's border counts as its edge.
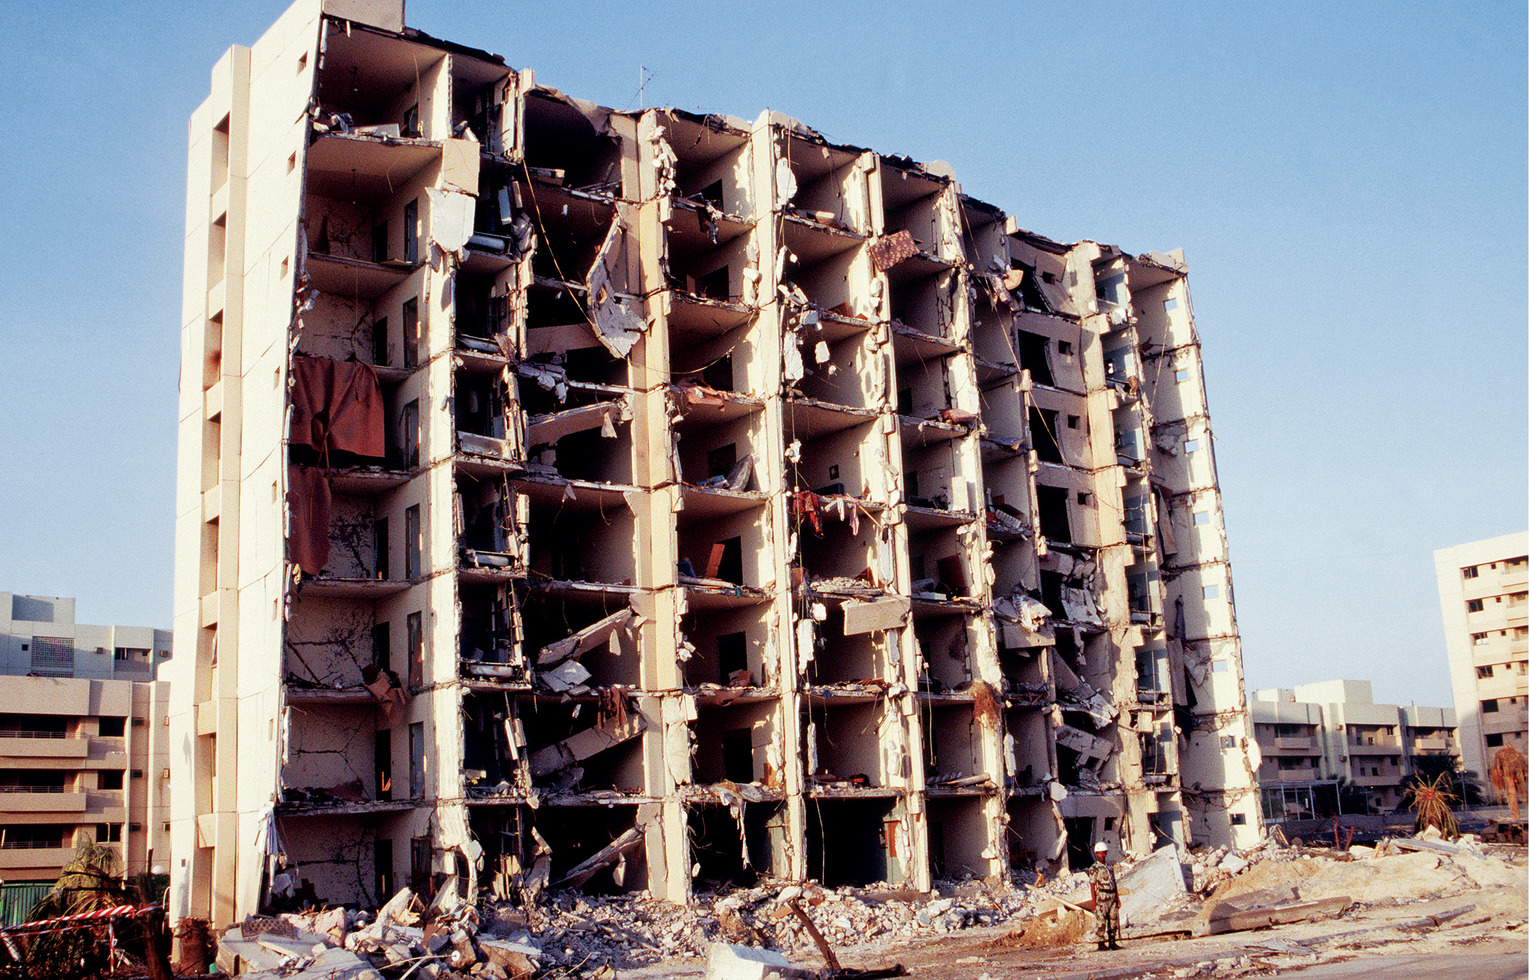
(648, 500)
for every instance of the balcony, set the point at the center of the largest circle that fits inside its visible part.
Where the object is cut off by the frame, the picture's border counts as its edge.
(1430, 744)
(1293, 742)
(43, 745)
(1377, 747)
(1502, 685)
(41, 799)
(1385, 779)
(1502, 722)
(357, 278)
(30, 855)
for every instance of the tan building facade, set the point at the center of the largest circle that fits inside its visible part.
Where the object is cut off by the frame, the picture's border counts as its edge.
(1313, 735)
(1484, 596)
(83, 740)
(555, 479)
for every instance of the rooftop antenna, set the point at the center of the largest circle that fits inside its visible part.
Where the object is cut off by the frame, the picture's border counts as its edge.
(643, 78)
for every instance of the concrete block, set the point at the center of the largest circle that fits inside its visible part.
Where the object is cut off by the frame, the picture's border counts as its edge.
(879, 614)
(1147, 889)
(340, 964)
(727, 962)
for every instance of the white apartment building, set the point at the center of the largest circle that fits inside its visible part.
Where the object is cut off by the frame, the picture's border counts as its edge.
(83, 739)
(1484, 596)
(1313, 735)
(700, 497)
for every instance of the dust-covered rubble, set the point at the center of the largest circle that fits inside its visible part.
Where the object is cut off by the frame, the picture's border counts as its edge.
(1169, 893)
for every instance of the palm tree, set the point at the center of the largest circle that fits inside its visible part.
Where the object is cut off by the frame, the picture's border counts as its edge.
(1431, 800)
(90, 882)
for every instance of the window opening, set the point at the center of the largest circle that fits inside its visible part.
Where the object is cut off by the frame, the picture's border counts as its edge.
(412, 536)
(416, 760)
(1034, 351)
(410, 332)
(411, 232)
(415, 628)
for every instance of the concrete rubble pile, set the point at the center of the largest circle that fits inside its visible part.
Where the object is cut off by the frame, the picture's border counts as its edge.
(756, 931)
(1225, 890)
(630, 931)
(403, 938)
(572, 934)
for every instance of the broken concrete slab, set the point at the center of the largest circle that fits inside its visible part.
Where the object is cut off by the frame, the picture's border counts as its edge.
(453, 214)
(471, 442)
(1151, 886)
(549, 428)
(517, 960)
(727, 962)
(862, 616)
(239, 955)
(303, 944)
(616, 324)
(583, 745)
(569, 676)
(337, 964)
(608, 855)
(1265, 916)
(1437, 846)
(460, 161)
(1089, 748)
(585, 639)
(1080, 606)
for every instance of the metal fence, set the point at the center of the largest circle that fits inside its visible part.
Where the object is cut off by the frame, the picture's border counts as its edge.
(17, 899)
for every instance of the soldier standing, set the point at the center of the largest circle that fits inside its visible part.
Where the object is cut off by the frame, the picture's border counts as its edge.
(1101, 877)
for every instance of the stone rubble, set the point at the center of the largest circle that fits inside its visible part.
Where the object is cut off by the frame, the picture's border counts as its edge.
(570, 934)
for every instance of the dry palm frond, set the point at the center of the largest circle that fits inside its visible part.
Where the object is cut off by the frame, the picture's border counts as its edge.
(1430, 801)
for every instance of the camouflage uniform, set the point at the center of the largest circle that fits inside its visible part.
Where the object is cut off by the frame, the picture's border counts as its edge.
(1106, 904)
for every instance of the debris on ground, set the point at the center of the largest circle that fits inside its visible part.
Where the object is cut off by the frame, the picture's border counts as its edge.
(1059, 925)
(791, 929)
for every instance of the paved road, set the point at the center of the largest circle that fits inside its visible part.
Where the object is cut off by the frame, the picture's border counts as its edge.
(1447, 966)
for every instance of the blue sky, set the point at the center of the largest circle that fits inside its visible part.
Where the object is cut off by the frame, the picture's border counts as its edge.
(1348, 182)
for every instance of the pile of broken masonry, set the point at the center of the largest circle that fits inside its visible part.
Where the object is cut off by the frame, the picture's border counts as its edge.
(569, 934)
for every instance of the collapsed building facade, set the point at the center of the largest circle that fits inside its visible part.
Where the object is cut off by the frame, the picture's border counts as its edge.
(653, 500)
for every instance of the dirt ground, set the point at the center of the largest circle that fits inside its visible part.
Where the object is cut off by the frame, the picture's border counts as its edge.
(1460, 906)
(1417, 907)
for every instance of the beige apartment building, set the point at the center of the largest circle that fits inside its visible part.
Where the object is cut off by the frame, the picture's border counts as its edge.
(84, 756)
(654, 501)
(1314, 735)
(1484, 596)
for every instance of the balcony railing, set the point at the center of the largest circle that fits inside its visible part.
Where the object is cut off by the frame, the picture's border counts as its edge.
(35, 789)
(30, 845)
(1384, 779)
(32, 734)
